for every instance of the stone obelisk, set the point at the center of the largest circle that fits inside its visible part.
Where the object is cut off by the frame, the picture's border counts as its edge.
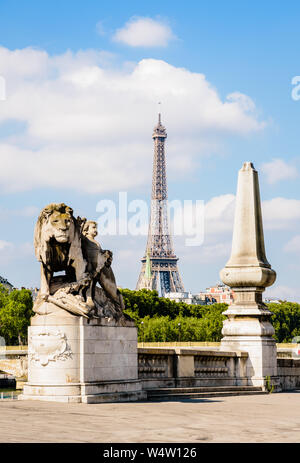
(248, 272)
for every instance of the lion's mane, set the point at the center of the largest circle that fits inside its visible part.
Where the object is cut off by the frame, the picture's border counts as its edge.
(42, 233)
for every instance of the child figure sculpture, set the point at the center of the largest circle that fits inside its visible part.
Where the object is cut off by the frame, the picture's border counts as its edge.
(99, 266)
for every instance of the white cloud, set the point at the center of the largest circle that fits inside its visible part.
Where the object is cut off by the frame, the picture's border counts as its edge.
(144, 32)
(245, 102)
(7, 253)
(280, 213)
(283, 292)
(212, 253)
(293, 245)
(219, 214)
(4, 245)
(26, 211)
(100, 28)
(11, 251)
(88, 127)
(278, 170)
(26, 249)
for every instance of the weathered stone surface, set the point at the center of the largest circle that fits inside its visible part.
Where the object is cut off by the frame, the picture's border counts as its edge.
(185, 366)
(66, 244)
(248, 273)
(79, 335)
(74, 363)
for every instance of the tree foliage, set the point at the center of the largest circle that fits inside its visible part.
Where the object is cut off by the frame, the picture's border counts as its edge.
(157, 318)
(165, 329)
(15, 314)
(147, 303)
(286, 320)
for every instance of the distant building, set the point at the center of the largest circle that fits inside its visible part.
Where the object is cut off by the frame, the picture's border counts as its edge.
(34, 292)
(10, 287)
(271, 300)
(186, 297)
(6, 283)
(217, 294)
(213, 295)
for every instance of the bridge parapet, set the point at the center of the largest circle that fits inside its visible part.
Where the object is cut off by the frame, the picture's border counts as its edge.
(179, 366)
(14, 361)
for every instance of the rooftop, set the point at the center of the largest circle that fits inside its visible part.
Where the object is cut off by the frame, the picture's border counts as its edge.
(6, 283)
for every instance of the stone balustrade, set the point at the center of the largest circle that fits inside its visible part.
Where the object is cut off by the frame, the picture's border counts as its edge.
(155, 363)
(185, 366)
(288, 370)
(159, 367)
(14, 361)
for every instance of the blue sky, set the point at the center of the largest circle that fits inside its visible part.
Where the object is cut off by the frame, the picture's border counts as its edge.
(82, 84)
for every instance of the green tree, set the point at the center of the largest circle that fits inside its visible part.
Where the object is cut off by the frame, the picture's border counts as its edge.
(286, 320)
(147, 303)
(164, 329)
(15, 314)
(157, 318)
(161, 316)
(3, 296)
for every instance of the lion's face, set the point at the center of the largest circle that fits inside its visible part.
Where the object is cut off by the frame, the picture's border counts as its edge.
(60, 226)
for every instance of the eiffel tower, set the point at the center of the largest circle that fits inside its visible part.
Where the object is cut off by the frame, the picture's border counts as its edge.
(159, 264)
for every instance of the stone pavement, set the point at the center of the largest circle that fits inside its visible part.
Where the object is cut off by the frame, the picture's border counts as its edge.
(256, 418)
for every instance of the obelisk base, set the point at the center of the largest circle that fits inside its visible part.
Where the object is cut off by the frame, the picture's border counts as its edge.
(254, 336)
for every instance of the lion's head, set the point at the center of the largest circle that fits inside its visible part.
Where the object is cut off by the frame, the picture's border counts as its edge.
(55, 223)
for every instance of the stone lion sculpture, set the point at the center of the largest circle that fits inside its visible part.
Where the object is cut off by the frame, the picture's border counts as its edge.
(57, 244)
(64, 244)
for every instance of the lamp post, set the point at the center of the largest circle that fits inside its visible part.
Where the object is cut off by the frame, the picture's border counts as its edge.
(142, 323)
(179, 332)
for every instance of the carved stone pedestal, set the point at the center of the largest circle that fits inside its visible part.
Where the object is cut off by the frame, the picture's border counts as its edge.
(71, 359)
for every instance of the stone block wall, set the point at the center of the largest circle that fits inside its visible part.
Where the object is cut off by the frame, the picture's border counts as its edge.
(160, 367)
(171, 367)
(288, 370)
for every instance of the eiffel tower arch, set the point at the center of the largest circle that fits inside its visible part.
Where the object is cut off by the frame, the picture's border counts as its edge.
(159, 264)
